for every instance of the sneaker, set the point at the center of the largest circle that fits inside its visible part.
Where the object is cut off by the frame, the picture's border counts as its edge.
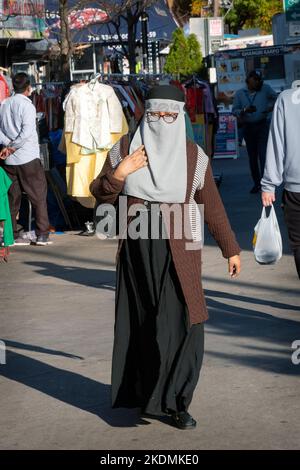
(21, 241)
(43, 240)
(87, 233)
(90, 230)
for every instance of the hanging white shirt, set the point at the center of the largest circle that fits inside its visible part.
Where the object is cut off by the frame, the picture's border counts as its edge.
(93, 112)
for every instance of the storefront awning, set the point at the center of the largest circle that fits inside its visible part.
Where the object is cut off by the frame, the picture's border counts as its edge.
(89, 25)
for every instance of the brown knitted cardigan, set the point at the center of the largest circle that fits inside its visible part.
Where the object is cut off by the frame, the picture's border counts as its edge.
(106, 189)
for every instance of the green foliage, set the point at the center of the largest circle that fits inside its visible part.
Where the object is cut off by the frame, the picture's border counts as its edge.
(253, 14)
(177, 60)
(195, 56)
(185, 56)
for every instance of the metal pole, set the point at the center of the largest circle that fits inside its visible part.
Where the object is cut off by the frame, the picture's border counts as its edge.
(144, 20)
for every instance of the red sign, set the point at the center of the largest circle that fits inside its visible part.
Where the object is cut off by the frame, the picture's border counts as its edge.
(216, 27)
(79, 19)
(23, 8)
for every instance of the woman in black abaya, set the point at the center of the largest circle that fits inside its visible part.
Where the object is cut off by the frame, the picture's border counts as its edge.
(158, 350)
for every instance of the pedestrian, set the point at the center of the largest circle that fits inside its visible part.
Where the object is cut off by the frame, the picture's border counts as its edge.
(6, 232)
(252, 106)
(283, 165)
(160, 305)
(21, 155)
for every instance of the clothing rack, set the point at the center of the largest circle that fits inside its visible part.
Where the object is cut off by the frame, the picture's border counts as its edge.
(45, 84)
(135, 75)
(108, 75)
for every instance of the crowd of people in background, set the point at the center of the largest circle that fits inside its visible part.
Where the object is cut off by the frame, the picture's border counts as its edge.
(271, 137)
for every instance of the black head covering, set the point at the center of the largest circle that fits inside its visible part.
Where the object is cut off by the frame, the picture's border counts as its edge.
(165, 92)
(255, 74)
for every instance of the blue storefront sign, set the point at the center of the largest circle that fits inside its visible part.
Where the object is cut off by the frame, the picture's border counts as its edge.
(90, 24)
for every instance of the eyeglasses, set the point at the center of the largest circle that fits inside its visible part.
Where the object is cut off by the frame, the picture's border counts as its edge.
(168, 118)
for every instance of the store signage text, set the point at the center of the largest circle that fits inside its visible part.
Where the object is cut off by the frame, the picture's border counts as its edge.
(114, 37)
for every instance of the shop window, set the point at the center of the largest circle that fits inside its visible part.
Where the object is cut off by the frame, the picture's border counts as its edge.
(272, 67)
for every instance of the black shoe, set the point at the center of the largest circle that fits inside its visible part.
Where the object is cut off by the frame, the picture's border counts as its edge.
(183, 420)
(255, 189)
(43, 240)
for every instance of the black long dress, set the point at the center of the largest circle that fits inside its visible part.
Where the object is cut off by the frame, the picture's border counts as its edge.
(157, 356)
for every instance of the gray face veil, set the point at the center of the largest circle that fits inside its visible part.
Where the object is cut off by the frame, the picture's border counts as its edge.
(165, 177)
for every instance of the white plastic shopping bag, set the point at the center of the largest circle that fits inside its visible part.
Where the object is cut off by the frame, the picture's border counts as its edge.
(267, 240)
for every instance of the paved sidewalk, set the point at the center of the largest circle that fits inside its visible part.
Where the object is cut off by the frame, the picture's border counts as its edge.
(56, 319)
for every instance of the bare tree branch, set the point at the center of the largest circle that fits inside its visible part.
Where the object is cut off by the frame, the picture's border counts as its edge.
(119, 13)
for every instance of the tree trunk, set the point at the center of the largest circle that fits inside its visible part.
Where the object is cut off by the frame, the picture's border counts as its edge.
(216, 7)
(131, 40)
(65, 42)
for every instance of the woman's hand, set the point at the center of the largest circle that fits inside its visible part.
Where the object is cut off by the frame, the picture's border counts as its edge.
(234, 266)
(131, 163)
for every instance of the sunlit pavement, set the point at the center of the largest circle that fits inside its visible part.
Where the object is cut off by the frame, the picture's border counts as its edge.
(57, 305)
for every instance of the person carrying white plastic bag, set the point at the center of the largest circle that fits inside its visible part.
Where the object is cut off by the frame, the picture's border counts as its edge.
(267, 240)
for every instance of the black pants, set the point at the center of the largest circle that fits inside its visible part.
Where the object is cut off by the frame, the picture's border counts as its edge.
(256, 138)
(291, 205)
(30, 178)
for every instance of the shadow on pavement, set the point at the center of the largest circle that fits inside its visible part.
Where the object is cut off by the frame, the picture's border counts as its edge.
(39, 349)
(99, 278)
(240, 323)
(69, 387)
(251, 300)
(256, 287)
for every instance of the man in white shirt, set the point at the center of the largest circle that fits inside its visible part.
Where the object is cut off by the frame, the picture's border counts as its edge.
(21, 153)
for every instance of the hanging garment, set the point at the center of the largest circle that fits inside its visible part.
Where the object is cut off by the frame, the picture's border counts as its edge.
(82, 169)
(4, 89)
(5, 183)
(194, 102)
(57, 157)
(39, 102)
(62, 144)
(48, 101)
(80, 174)
(126, 96)
(199, 130)
(92, 113)
(73, 151)
(139, 108)
(208, 100)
